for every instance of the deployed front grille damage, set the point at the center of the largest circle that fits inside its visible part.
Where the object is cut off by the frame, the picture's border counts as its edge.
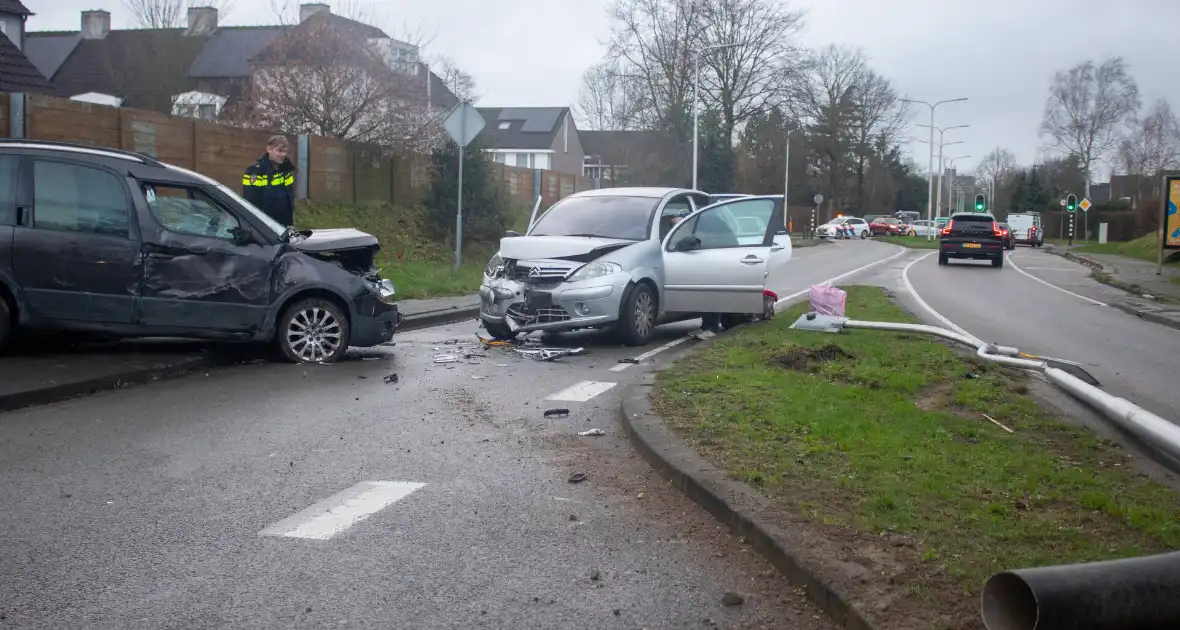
(524, 315)
(535, 270)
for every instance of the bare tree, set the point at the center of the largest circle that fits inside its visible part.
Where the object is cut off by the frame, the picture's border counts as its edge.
(1086, 106)
(169, 13)
(327, 80)
(995, 169)
(457, 80)
(606, 100)
(651, 43)
(751, 76)
(878, 119)
(1152, 143)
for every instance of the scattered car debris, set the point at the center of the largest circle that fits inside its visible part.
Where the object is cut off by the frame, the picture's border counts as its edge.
(551, 413)
(391, 378)
(577, 478)
(592, 432)
(446, 358)
(993, 421)
(732, 599)
(633, 361)
(595, 575)
(478, 376)
(547, 354)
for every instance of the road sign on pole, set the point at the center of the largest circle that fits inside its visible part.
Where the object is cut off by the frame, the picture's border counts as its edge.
(1085, 205)
(463, 124)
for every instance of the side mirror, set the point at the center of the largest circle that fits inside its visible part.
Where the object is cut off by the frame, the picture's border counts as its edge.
(511, 233)
(687, 243)
(241, 236)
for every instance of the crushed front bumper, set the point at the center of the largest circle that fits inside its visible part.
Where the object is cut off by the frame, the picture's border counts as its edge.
(551, 305)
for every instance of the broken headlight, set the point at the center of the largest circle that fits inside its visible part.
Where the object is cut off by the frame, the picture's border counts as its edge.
(595, 270)
(383, 288)
(495, 267)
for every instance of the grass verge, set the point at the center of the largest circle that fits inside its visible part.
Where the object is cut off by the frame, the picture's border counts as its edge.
(916, 242)
(867, 433)
(420, 266)
(1144, 248)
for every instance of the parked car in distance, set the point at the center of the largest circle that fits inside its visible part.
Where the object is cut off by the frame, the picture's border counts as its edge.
(118, 243)
(887, 226)
(633, 258)
(971, 235)
(1027, 228)
(1009, 240)
(907, 216)
(843, 227)
(923, 227)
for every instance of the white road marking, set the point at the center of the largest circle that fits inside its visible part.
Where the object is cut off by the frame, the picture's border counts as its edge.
(583, 391)
(905, 279)
(651, 353)
(342, 510)
(1049, 284)
(829, 281)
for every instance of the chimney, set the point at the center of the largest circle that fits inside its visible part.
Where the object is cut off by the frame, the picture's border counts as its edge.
(95, 24)
(202, 21)
(311, 8)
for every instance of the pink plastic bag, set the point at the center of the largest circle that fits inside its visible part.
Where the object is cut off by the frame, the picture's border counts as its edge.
(828, 300)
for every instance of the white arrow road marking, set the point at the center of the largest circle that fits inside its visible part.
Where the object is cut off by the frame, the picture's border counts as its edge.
(581, 392)
(342, 510)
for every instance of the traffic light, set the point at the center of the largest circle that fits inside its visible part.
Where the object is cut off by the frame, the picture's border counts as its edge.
(1071, 203)
(980, 206)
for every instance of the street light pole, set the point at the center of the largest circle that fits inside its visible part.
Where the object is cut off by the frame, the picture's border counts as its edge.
(787, 178)
(958, 201)
(942, 166)
(696, 110)
(930, 165)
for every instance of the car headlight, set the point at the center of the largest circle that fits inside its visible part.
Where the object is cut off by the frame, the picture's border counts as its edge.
(383, 288)
(495, 267)
(595, 270)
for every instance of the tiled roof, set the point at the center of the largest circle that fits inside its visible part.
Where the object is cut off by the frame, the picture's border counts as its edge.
(524, 127)
(14, 6)
(17, 73)
(144, 66)
(48, 51)
(230, 50)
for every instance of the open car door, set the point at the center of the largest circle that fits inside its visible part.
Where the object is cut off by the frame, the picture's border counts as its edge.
(716, 260)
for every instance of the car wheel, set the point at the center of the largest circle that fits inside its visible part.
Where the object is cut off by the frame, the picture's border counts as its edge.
(942, 259)
(6, 320)
(499, 330)
(313, 330)
(637, 318)
(864, 234)
(998, 261)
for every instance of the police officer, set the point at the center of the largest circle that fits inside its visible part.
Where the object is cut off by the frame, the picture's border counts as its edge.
(269, 183)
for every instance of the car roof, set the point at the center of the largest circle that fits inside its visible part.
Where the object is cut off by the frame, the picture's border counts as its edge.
(652, 192)
(974, 214)
(138, 165)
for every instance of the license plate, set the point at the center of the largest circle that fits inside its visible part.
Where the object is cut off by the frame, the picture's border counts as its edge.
(972, 245)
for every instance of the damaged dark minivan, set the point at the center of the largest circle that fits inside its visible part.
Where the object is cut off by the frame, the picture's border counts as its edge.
(106, 241)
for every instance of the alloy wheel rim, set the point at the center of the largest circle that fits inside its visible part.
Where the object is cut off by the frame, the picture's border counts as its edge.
(643, 307)
(314, 334)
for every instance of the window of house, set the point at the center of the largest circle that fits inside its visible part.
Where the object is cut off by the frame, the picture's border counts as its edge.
(505, 125)
(189, 211)
(75, 198)
(499, 157)
(524, 159)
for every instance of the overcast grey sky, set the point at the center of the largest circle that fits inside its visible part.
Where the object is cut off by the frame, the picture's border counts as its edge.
(998, 53)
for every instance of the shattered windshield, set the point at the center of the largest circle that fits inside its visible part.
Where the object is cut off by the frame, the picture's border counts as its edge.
(279, 231)
(626, 218)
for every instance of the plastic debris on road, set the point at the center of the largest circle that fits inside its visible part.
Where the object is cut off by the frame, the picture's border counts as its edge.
(547, 354)
(392, 378)
(549, 413)
(577, 478)
(592, 432)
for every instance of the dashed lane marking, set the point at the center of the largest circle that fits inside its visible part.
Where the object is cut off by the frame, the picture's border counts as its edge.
(651, 353)
(581, 392)
(1051, 285)
(342, 510)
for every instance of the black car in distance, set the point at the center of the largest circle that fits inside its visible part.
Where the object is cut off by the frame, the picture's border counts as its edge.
(1009, 239)
(96, 240)
(973, 236)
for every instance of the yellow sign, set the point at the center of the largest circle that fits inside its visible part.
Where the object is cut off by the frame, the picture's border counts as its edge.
(1171, 217)
(1085, 204)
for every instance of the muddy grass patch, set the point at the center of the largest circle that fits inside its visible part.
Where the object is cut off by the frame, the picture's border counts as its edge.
(877, 442)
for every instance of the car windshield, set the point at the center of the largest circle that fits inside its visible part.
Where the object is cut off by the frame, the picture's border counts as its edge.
(275, 227)
(625, 218)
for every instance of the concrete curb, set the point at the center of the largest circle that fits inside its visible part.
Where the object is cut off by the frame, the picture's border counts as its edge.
(64, 391)
(1106, 276)
(437, 318)
(731, 502)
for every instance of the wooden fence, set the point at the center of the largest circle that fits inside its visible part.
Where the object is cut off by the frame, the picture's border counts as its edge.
(336, 171)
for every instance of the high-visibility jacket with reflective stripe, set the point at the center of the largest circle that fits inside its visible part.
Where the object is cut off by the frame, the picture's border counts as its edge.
(271, 187)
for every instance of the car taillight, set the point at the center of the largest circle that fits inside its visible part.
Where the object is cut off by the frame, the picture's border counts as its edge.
(946, 231)
(996, 230)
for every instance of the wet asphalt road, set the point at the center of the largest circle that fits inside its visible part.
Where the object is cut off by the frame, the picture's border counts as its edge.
(1130, 357)
(142, 508)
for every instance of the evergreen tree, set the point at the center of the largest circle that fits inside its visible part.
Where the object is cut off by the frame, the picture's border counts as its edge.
(484, 208)
(716, 163)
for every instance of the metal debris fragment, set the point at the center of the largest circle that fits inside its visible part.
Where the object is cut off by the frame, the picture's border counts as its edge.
(592, 432)
(628, 360)
(391, 378)
(577, 478)
(550, 413)
(446, 358)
